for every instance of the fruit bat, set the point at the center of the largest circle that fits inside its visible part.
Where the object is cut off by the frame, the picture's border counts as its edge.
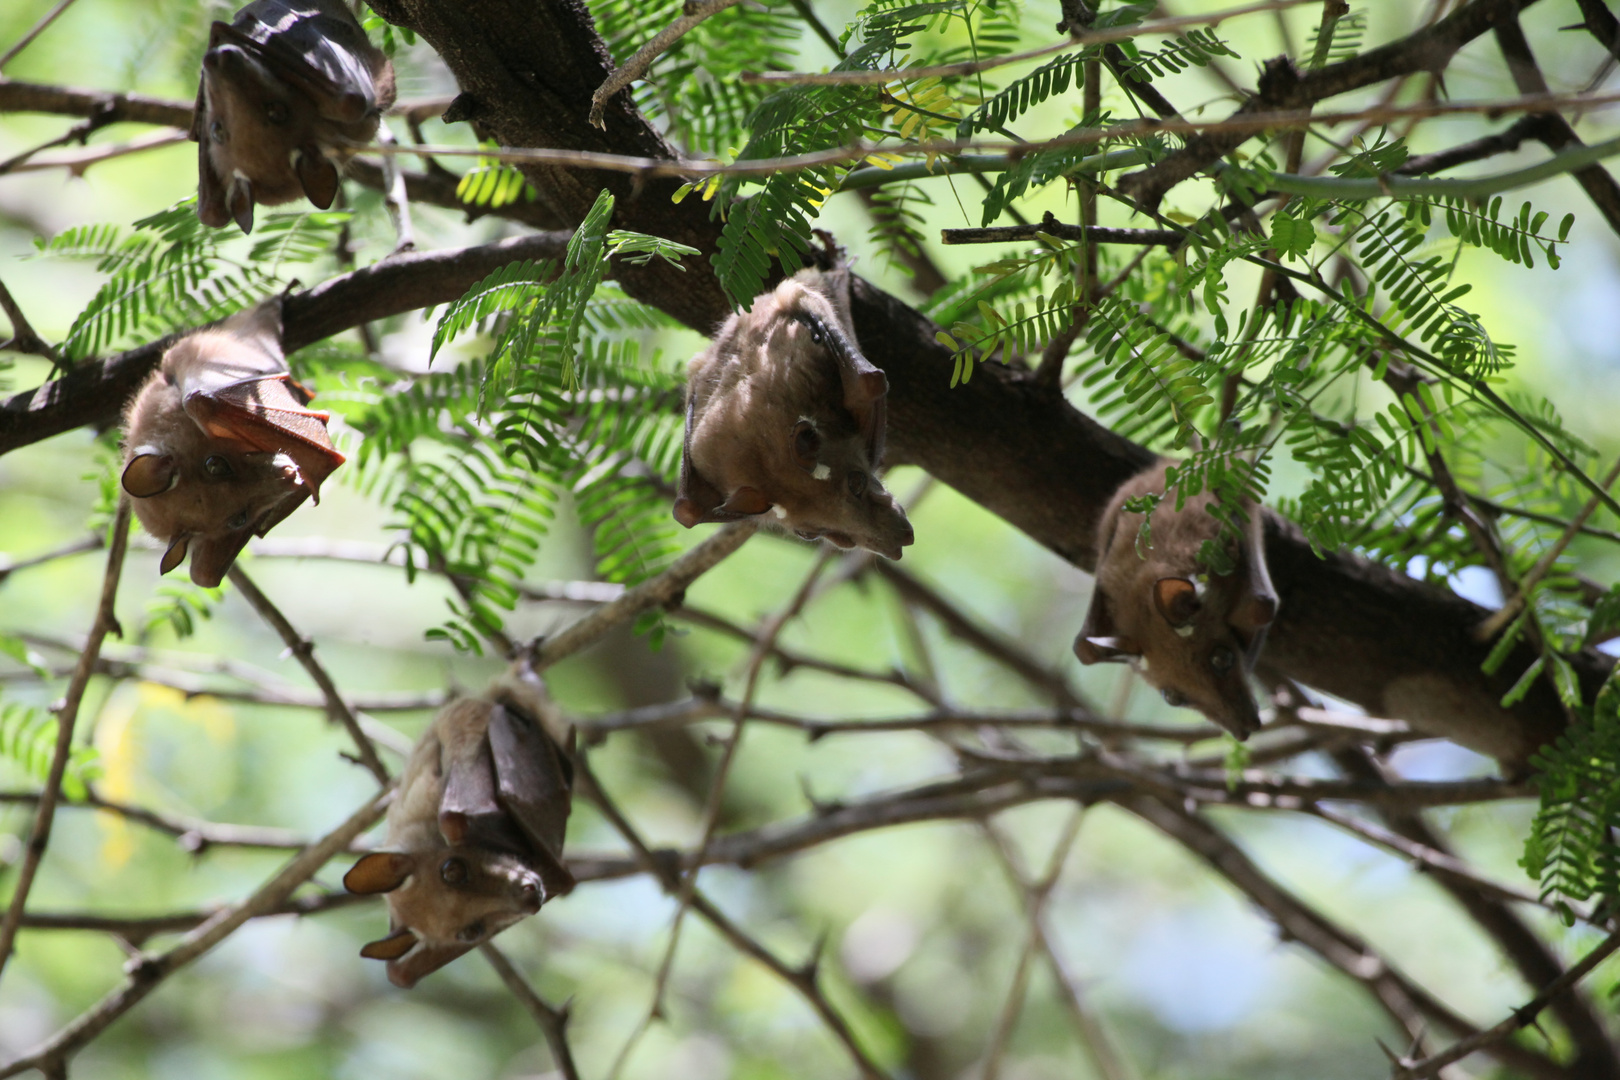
(1193, 634)
(219, 445)
(288, 88)
(784, 415)
(475, 833)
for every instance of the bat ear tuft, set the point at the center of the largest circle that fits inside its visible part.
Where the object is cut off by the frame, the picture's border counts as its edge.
(149, 474)
(1100, 650)
(392, 947)
(378, 872)
(317, 176)
(1176, 599)
(175, 555)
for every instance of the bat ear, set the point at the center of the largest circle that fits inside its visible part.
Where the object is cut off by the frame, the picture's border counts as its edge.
(1255, 611)
(211, 201)
(1177, 600)
(175, 555)
(392, 947)
(806, 444)
(453, 826)
(241, 203)
(407, 972)
(214, 556)
(745, 502)
(317, 176)
(149, 474)
(379, 872)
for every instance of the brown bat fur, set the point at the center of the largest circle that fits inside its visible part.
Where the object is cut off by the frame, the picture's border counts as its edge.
(1193, 634)
(287, 88)
(475, 833)
(784, 415)
(218, 446)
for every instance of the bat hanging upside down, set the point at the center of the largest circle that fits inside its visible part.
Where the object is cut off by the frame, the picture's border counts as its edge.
(1193, 634)
(784, 415)
(218, 443)
(288, 88)
(475, 833)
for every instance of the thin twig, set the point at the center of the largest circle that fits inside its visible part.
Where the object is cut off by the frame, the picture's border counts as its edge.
(1493, 625)
(34, 32)
(1077, 39)
(1094, 234)
(553, 1021)
(337, 709)
(1520, 1018)
(147, 971)
(194, 834)
(23, 337)
(694, 12)
(67, 715)
(665, 590)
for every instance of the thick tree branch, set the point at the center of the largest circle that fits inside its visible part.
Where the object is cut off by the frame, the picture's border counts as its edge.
(93, 393)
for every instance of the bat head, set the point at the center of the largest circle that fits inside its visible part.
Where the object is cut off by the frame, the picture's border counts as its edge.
(1192, 634)
(476, 830)
(285, 90)
(785, 415)
(442, 903)
(219, 445)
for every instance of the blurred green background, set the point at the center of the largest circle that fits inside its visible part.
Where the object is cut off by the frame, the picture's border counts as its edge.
(921, 927)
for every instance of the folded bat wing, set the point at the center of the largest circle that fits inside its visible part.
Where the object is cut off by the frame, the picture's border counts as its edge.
(313, 50)
(269, 413)
(534, 784)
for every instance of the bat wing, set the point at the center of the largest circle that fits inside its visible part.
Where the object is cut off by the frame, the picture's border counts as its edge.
(864, 385)
(534, 782)
(316, 48)
(268, 413)
(699, 502)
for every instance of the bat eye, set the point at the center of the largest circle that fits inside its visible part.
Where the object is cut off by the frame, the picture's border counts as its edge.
(473, 931)
(216, 131)
(237, 520)
(857, 483)
(453, 872)
(1173, 697)
(1222, 659)
(276, 113)
(218, 467)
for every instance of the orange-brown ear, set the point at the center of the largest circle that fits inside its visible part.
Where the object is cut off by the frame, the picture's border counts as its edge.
(175, 555)
(392, 947)
(317, 176)
(378, 872)
(407, 972)
(805, 443)
(149, 473)
(1176, 599)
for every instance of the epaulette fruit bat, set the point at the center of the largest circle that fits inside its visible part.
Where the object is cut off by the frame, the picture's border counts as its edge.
(475, 832)
(1193, 634)
(219, 445)
(288, 88)
(785, 416)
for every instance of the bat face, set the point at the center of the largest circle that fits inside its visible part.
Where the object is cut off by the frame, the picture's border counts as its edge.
(286, 87)
(785, 416)
(219, 446)
(1192, 634)
(475, 834)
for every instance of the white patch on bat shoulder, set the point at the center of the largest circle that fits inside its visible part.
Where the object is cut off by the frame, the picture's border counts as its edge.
(779, 512)
(1186, 631)
(822, 473)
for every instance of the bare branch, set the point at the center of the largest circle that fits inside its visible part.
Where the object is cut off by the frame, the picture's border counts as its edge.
(67, 715)
(337, 710)
(694, 12)
(553, 1021)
